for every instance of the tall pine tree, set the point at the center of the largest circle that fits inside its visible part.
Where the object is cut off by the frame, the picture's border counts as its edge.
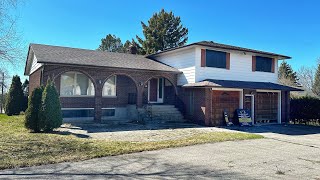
(50, 116)
(164, 30)
(316, 84)
(286, 74)
(32, 112)
(111, 43)
(14, 100)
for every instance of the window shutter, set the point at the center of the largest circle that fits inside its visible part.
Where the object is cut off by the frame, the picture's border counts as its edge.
(253, 63)
(203, 58)
(272, 65)
(228, 61)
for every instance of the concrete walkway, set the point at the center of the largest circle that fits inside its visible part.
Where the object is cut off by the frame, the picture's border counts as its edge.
(274, 157)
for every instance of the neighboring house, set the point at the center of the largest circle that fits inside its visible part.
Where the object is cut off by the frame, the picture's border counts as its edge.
(202, 80)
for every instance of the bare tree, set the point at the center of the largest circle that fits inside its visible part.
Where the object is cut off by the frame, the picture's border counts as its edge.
(306, 77)
(10, 44)
(3, 87)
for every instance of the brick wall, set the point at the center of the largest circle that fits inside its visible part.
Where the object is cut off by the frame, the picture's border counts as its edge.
(35, 80)
(194, 97)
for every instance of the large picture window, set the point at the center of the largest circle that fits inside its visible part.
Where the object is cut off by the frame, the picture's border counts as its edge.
(263, 64)
(76, 84)
(109, 87)
(216, 59)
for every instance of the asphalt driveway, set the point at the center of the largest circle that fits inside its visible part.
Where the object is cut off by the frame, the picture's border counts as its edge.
(287, 152)
(296, 134)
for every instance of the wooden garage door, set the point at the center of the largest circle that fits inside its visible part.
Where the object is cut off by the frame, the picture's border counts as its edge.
(267, 107)
(224, 101)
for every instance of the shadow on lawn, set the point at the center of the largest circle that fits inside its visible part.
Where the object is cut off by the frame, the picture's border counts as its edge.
(79, 135)
(99, 127)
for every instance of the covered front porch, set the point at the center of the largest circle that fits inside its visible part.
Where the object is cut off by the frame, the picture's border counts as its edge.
(110, 95)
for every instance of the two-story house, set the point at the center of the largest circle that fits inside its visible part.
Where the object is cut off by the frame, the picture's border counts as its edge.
(200, 82)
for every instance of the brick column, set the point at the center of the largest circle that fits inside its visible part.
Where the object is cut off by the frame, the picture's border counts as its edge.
(208, 106)
(140, 96)
(288, 105)
(285, 105)
(98, 103)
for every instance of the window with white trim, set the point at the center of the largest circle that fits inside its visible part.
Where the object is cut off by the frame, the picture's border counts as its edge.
(110, 87)
(76, 84)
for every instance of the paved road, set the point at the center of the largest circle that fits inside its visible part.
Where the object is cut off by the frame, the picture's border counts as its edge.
(276, 157)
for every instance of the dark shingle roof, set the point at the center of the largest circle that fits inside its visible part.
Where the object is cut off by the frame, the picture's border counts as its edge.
(74, 56)
(226, 47)
(241, 85)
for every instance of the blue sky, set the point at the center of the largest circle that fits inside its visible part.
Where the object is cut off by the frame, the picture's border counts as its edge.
(286, 27)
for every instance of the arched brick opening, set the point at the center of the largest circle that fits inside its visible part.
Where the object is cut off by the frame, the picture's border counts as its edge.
(160, 89)
(78, 101)
(57, 78)
(125, 92)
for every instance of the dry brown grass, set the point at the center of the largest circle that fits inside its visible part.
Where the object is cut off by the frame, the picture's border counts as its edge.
(20, 148)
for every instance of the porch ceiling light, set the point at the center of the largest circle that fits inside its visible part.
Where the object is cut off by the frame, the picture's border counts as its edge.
(140, 83)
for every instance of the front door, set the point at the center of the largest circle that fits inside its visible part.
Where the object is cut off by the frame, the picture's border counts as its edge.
(249, 104)
(155, 90)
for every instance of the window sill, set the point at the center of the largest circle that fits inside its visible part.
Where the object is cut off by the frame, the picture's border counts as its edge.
(109, 96)
(264, 71)
(78, 96)
(215, 67)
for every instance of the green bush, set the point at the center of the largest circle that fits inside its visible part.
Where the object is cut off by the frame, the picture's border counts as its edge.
(14, 99)
(50, 116)
(305, 110)
(32, 112)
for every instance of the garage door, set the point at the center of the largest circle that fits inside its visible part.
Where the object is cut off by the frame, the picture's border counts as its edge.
(224, 101)
(267, 107)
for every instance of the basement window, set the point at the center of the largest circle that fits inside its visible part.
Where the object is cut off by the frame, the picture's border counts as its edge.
(108, 112)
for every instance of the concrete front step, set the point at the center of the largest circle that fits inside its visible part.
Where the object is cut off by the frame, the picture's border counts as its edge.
(161, 106)
(164, 116)
(163, 113)
(165, 110)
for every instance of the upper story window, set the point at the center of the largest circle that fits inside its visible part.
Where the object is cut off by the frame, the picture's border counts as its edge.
(264, 64)
(76, 84)
(109, 87)
(216, 59)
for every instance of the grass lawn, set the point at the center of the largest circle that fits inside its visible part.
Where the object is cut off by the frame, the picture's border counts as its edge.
(20, 148)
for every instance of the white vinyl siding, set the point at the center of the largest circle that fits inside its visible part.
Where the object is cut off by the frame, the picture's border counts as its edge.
(240, 69)
(183, 60)
(35, 65)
